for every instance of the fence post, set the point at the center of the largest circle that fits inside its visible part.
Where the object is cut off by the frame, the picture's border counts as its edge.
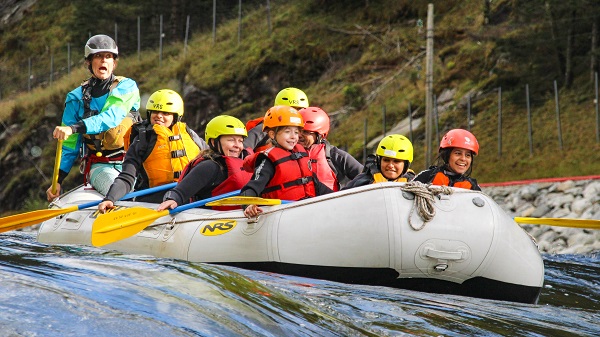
(499, 121)
(469, 112)
(410, 123)
(269, 16)
(51, 67)
(214, 27)
(29, 77)
(69, 58)
(139, 38)
(596, 105)
(529, 124)
(239, 22)
(383, 118)
(365, 144)
(437, 122)
(116, 34)
(560, 142)
(160, 40)
(187, 29)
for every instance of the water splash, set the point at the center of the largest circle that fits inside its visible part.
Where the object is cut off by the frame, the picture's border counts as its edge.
(75, 291)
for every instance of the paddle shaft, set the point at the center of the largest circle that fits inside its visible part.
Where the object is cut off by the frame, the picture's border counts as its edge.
(203, 202)
(132, 194)
(56, 165)
(560, 222)
(23, 220)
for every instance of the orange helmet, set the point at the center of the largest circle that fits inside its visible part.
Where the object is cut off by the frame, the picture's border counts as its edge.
(282, 115)
(460, 138)
(315, 120)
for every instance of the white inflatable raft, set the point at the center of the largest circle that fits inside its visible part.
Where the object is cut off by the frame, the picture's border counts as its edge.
(364, 235)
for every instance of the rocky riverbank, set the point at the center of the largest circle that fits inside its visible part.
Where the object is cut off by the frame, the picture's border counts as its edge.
(566, 199)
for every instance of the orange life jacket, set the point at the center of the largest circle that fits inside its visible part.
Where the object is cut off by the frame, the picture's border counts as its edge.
(171, 153)
(441, 179)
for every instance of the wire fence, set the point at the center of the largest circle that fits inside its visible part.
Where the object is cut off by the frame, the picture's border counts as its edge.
(151, 32)
(410, 123)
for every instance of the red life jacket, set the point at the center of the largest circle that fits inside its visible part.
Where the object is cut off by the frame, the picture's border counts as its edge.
(320, 166)
(293, 179)
(441, 179)
(236, 176)
(250, 162)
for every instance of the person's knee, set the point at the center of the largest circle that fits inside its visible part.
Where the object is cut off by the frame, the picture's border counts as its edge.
(102, 177)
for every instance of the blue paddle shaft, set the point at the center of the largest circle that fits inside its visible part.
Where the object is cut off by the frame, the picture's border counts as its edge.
(203, 202)
(132, 194)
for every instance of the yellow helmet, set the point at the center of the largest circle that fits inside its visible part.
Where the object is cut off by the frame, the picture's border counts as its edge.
(282, 115)
(395, 146)
(224, 125)
(292, 97)
(165, 100)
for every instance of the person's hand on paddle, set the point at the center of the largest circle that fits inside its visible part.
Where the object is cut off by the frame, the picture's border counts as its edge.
(105, 206)
(252, 211)
(167, 204)
(62, 132)
(51, 196)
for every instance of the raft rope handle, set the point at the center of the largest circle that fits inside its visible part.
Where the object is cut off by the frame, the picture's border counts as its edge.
(424, 200)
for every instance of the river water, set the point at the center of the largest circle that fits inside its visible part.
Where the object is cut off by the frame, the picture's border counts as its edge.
(48, 290)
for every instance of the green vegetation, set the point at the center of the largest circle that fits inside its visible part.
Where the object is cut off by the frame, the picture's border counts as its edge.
(350, 57)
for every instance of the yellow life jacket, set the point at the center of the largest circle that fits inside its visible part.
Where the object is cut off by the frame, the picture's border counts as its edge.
(171, 153)
(379, 178)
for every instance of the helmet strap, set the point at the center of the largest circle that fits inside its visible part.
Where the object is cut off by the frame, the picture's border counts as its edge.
(215, 145)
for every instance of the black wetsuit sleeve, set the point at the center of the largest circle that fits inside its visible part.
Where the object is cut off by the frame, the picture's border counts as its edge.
(475, 186)
(264, 171)
(346, 165)
(199, 182)
(362, 179)
(320, 188)
(425, 176)
(125, 181)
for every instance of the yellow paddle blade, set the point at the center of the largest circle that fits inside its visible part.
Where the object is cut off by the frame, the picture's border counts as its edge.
(121, 224)
(23, 220)
(561, 222)
(241, 200)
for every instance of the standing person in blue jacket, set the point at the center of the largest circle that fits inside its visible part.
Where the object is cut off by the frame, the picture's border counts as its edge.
(96, 117)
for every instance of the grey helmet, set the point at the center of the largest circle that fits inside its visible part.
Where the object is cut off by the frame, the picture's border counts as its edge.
(100, 43)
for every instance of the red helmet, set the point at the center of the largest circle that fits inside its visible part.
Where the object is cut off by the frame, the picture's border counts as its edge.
(460, 138)
(315, 120)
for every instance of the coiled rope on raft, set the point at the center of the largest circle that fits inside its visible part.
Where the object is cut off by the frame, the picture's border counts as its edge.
(424, 200)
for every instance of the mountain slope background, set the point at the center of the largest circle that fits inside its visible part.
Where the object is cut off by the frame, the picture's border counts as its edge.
(355, 59)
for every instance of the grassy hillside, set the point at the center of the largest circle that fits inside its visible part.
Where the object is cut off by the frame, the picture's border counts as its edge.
(352, 58)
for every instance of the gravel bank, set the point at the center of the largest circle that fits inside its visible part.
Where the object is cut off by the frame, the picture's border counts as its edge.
(565, 199)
